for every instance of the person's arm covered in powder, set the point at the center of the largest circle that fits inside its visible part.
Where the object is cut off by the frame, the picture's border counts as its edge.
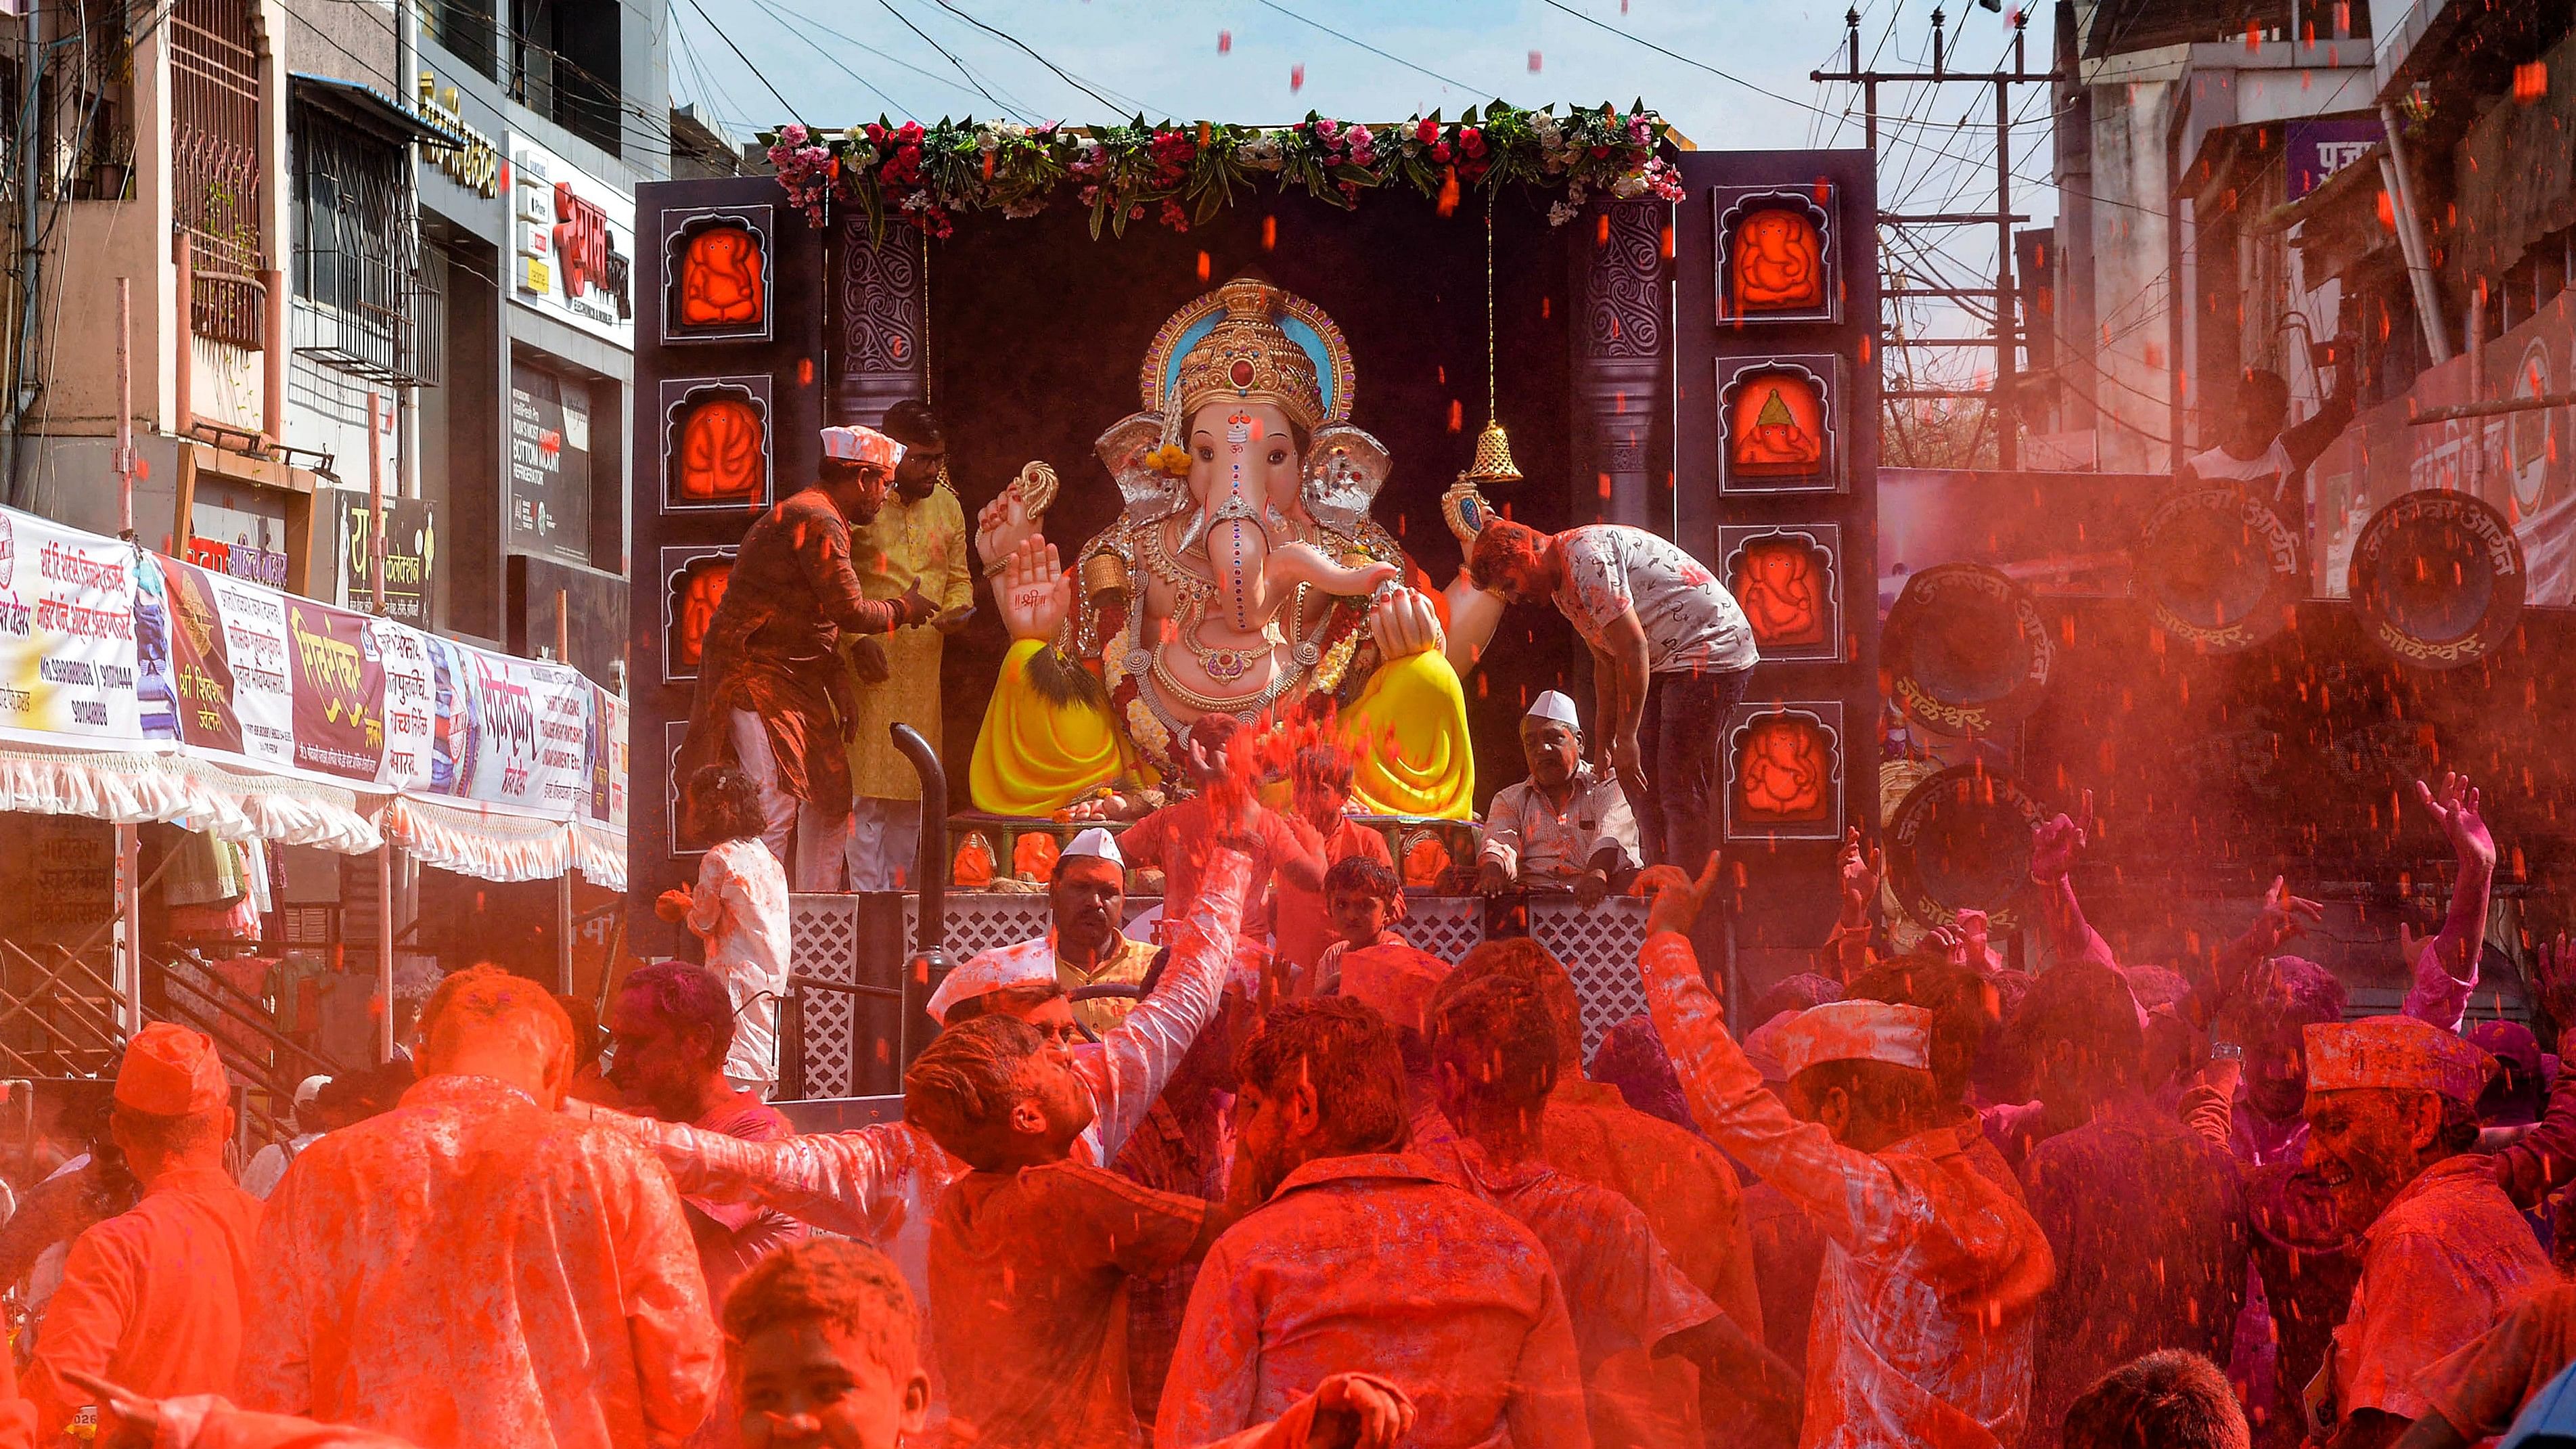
(1137, 1056)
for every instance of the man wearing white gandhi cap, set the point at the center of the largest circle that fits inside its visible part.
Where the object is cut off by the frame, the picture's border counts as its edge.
(1087, 946)
(2392, 1118)
(1927, 1306)
(1567, 826)
(773, 697)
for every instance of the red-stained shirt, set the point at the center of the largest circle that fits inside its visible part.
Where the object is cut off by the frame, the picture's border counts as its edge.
(1695, 1209)
(1372, 1263)
(1180, 1153)
(1028, 1287)
(471, 1269)
(1622, 1293)
(2484, 1386)
(1299, 928)
(1928, 1300)
(1179, 838)
(153, 1298)
(2443, 1262)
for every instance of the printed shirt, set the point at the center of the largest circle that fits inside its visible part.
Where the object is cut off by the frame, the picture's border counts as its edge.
(770, 647)
(152, 1299)
(1623, 1293)
(739, 908)
(2484, 1386)
(1028, 1279)
(910, 543)
(471, 1269)
(1536, 842)
(1927, 1304)
(1693, 625)
(1372, 1263)
(2442, 1263)
(2147, 1221)
(1300, 931)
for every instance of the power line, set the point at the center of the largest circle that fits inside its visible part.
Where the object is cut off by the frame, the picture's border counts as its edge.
(746, 60)
(1684, 59)
(980, 87)
(1371, 49)
(788, 25)
(1033, 55)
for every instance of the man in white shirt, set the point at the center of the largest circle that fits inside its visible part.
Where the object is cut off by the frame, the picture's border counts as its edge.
(1671, 653)
(1567, 825)
(2256, 450)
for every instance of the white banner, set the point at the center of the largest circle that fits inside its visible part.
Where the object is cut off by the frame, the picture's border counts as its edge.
(67, 637)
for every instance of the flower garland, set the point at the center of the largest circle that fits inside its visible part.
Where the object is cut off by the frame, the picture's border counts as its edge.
(926, 176)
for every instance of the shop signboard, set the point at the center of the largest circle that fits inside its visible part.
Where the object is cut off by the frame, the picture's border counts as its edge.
(68, 655)
(572, 242)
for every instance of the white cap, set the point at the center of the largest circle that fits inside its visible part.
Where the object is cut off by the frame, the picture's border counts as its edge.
(1099, 842)
(1555, 706)
(310, 1088)
(861, 445)
(1025, 964)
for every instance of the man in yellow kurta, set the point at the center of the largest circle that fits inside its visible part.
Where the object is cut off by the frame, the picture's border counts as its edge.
(918, 539)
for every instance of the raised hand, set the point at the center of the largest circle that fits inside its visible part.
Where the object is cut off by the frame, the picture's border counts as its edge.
(2283, 916)
(2057, 844)
(1033, 592)
(1001, 526)
(2553, 981)
(2455, 809)
(1861, 873)
(1676, 906)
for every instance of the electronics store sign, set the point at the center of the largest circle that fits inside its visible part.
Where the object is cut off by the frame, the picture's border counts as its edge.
(572, 244)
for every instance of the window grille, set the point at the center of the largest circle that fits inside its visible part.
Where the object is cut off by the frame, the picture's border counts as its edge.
(215, 171)
(361, 301)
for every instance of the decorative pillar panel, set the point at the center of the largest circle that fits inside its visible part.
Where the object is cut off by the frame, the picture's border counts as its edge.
(1788, 578)
(1619, 372)
(877, 349)
(1785, 771)
(693, 583)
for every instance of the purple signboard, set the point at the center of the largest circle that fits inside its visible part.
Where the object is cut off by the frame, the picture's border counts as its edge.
(2319, 149)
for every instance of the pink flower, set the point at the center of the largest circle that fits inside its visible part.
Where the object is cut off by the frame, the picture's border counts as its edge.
(1440, 151)
(792, 134)
(1328, 128)
(1426, 131)
(1472, 139)
(1360, 138)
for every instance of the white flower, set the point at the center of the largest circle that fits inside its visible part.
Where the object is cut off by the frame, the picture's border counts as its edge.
(1563, 212)
(1629, 187)
(987, 141)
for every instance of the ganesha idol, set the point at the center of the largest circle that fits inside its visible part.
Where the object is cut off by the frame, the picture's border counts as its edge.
(1243, 577)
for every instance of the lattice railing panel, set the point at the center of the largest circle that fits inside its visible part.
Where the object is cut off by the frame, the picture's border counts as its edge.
(1599, 949)
(824, 943)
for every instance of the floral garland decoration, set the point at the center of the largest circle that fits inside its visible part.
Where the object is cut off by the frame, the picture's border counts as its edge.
(925, 177)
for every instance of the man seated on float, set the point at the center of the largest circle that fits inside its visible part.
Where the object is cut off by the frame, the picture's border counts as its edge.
(1087, 946)
(1567, 826)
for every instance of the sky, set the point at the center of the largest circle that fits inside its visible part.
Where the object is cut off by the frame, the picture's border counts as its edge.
(1735, 78)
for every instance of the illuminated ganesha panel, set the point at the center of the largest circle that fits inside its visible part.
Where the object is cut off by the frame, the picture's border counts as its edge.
(717, 266)
(716, 449)
(1777, 424)
(1776, 255)
(1788, 579)
(693, 583)
(1785, 771)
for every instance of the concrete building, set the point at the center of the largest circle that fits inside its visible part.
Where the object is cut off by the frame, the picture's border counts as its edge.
(426, 202)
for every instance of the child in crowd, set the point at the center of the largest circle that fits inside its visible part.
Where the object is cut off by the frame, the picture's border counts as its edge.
(739, 910)
(1319, 791)
(1363, 900)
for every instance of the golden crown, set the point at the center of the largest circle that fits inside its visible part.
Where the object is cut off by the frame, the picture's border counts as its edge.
(1247, 357)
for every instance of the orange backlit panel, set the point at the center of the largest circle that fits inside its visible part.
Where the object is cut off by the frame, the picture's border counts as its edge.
(1776, 263)
(1781, 583)
(1033, 856)
(720, 279)
(1776, 426)
(721, 452)
(1784, 774)
(699, 589)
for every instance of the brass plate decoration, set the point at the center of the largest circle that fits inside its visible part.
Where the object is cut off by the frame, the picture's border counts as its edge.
(1966, 650)
(1961, 841)
(2219, 568)
(2438, 579)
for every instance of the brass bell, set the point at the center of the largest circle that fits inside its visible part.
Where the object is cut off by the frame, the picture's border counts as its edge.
(1493, 458)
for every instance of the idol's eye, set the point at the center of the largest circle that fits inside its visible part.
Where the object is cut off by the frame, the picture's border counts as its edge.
(1207, 452)
(1278, 456)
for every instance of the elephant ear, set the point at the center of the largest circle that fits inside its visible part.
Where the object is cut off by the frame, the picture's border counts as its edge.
(1343, 474)
(1125, 450)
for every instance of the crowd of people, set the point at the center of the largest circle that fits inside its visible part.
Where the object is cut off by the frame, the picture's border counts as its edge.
(1375, 1198)
(1266, 1172)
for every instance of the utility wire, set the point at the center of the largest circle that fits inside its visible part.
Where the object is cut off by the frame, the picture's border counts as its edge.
(787, 24)
(980, 87)
(746, 60)
(1371, 49)
(1060, 72)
